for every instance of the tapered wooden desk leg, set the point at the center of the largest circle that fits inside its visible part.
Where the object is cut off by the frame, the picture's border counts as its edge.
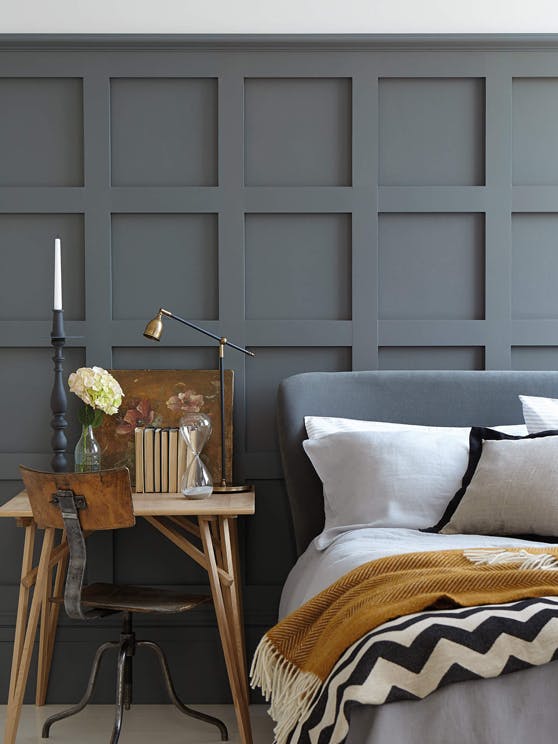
(233, 525)
(40, 691)
(227, 633)
(23, 603)
(58, 591)
(49, 624)
(14, 705)
(215, 533)
(231, 564)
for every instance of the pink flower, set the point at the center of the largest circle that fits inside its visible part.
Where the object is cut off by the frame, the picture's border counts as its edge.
(188, 401)
(140, 415)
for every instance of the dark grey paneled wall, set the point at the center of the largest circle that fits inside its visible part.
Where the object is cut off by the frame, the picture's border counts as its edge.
(333, 203)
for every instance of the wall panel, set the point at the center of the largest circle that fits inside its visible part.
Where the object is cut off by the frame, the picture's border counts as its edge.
(24, 293)
(331, 203)
(432, 131)
(41, 131)
(164, 259)
(298, 132)
(282, 255)
(431, 267)
(176, 144)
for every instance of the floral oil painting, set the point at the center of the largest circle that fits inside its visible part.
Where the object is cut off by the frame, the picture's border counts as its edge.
(159, 398)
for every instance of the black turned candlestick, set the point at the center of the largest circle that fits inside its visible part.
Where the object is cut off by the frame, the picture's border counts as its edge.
(58, 399)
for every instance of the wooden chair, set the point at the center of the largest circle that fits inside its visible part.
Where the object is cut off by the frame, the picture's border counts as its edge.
(81, 503)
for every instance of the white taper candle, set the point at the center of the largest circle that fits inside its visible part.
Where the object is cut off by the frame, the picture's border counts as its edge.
(57, 275)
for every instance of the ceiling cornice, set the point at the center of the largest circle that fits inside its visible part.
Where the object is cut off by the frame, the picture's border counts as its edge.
(248, 42)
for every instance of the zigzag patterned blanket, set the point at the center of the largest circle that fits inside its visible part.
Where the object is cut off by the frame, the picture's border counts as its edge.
(395, 629)
(408, 658)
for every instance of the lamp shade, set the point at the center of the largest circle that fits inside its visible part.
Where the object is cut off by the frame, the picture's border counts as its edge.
(154, 328)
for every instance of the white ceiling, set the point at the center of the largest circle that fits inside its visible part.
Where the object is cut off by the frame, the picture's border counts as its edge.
(284, 16)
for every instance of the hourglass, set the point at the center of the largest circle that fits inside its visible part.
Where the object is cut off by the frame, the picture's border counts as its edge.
(196, 482)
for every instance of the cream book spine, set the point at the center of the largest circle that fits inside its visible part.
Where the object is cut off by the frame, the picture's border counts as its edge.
(138, 438)
(157, 460)
(173, 460)
(148, 471)
(164, 460)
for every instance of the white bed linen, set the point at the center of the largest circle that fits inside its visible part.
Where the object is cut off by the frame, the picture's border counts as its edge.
(514, 708)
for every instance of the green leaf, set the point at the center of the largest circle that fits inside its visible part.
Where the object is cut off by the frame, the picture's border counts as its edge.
(97, 418)
(87, 416)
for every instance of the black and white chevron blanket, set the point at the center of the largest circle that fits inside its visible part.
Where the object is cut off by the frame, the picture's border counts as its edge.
(410, 657)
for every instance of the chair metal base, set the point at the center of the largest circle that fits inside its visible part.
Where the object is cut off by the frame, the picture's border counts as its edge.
(124, 688)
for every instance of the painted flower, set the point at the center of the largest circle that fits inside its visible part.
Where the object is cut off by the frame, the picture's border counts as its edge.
(186, 401)
(141, 414)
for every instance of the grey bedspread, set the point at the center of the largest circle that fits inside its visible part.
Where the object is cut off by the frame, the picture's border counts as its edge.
(514, 709)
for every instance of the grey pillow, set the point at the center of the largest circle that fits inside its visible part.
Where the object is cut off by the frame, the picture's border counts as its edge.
(510, 487)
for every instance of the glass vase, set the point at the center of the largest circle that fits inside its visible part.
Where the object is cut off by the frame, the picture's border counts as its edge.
(196, 482)
(87, 454)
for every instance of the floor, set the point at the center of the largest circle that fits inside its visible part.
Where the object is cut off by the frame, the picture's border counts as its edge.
(143, 724)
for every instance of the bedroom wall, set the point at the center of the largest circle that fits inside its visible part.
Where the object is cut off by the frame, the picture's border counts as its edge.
(332, 204)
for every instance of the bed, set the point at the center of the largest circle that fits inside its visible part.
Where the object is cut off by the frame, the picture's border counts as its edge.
(511, 708)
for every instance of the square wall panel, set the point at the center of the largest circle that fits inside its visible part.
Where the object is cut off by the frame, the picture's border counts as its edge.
(164, 131)
(11, 540)
(298, 131)
(165, 357)
(27, 285)
(298, 266)
(164, 260)
(432, 131)
(267, 533)
(8, 489)
(535, 136)
(167, 567)
(26, 377)
(431, 357)
(431, 266)
(41, 132)
(534, 266)
(265, 372)
(535, 357)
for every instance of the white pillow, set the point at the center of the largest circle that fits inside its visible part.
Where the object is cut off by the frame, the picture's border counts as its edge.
(321, 426)
(513, 490)
(540, 414)
(403, 478)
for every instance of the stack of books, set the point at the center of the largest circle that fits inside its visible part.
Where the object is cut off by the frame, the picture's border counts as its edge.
(161, 459)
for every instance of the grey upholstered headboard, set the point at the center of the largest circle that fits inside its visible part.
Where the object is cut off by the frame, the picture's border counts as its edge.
(433, 398)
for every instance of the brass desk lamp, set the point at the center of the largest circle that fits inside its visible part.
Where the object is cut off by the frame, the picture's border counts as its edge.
(153, 331)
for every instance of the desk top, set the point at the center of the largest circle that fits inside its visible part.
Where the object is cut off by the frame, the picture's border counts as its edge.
(160, 504)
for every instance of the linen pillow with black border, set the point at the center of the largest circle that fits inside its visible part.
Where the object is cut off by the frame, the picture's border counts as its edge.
(492, 484)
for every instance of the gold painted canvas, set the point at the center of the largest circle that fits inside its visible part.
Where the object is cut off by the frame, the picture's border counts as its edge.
(159, 397)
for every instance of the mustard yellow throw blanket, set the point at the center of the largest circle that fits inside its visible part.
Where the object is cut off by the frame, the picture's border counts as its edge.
(295, 657)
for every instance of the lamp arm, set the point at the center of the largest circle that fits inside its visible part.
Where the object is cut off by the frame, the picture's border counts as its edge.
(220, 339)
(189, 324)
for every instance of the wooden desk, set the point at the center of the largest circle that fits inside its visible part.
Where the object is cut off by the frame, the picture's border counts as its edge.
(210, 522)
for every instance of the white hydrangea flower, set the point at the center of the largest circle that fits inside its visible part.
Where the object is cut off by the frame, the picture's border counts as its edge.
(97, 388)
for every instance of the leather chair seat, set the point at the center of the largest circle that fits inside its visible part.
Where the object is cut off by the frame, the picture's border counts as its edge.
(119, 598)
